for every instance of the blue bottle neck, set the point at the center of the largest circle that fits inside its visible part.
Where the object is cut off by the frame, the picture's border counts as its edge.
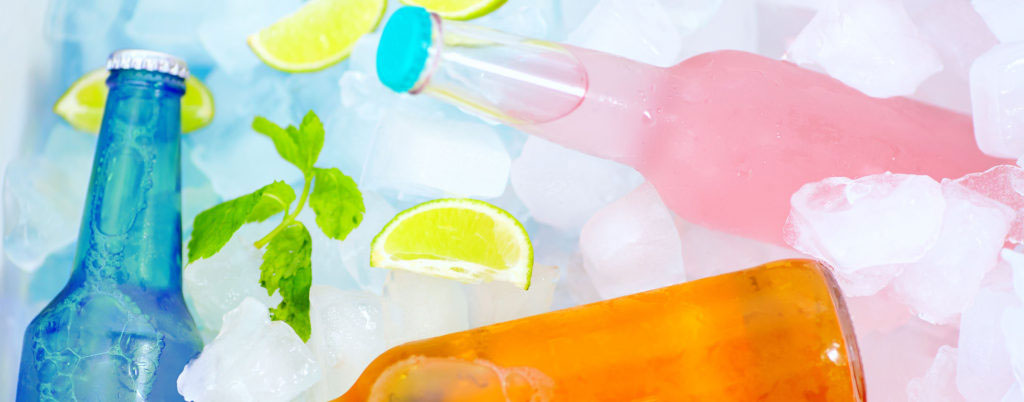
(131, 227)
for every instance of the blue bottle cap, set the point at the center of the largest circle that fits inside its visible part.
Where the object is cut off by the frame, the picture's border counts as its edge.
(404, 48)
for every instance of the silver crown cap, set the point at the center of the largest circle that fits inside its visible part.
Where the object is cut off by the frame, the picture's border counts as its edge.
(136, 59)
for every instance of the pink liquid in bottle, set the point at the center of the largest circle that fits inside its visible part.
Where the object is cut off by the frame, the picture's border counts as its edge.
(726, 137)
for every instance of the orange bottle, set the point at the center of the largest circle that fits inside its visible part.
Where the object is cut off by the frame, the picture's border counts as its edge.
(776, 332)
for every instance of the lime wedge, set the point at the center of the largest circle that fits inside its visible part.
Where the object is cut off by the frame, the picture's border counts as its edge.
(457, 9)
(318, 35)
(462, 239)
(82, 105)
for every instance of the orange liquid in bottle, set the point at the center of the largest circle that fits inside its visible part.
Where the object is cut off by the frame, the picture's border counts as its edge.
(776, 332)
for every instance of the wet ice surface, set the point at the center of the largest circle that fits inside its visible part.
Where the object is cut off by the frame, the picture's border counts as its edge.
(922, 260)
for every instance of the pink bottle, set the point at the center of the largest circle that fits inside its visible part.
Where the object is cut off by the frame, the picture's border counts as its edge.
(726, 137)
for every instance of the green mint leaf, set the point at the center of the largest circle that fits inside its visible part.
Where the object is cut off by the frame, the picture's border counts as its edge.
(213, 227)
(276, 197)
(284, 142)
(312, 139)
(287, 268)
(337, 202)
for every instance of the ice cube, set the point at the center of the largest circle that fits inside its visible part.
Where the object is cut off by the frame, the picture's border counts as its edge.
(236, 159)
(708, 252)
(494, 302)
(224, 36)
(937, 384)
(891, 359)
(213, 286)
(1012, 321)
(572, 13)
(74, 20)
(355, 250)
(316, 91)
(778, 24)
(959, 35)
(252, 358)
(563, 188)
(873, 221)
(880, 312)
(1015, 259)
(732, 24)
(997, 98)
(983, 361)
(871, 45)
(641, 30)
(632, 245)
(328, 267)
(432, 157)
(172, 27)
(420, 306)
(1003, 183)
(346, 335)
(1014, 394)
(44, 195)
(528, 18)
(1003, 18)
(941, 284)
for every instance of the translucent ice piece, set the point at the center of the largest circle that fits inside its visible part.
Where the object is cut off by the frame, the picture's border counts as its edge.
(347, 333)
(871, 221)
(937, 384)
(224, 37)
(942, 283)
(252, 358)
(891, 359)
(997, 98)
(81, 21)
(171, 27)
(355, 250)
(708, 252)
(432, 157)
(983, 362)
(640, 30)
(563, 187)
(419, 306)
(1003, 183)
(529, 18)
(871, 45)
(494, 302)
(1003, 18)
(632, 245)
(213, 286)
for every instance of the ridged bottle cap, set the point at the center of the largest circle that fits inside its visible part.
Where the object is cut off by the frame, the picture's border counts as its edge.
(148, 60)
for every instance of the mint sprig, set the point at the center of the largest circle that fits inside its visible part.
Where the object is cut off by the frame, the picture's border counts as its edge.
(287, 265)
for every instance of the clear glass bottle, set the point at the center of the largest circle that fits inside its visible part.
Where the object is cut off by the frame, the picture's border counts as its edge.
(120, 330)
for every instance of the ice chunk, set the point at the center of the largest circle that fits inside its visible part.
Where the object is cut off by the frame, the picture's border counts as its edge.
(873, 221)
(419, 306)
(708, 252)
(75, 20)
(493, 302)
(44, 196)
(431, 157)
(355, 250)
(236, 159)
(959, 35)
(891, 359)
(937, 384)
(224, 37)
(641, 30)
(871, 45)
(941, 284)
(572, 13)
(1012, 321)
(172, 27)
(720, 24)
(346, 335)
(1015, 259)
(632, 245)
(1003, 183)
(997, 99)
(1014, 394)
(983, 361)
(880, 312)
(528, 18)
(1003, 18)
(563, 187)
(213, 286)
(778, 24)
(252, 358)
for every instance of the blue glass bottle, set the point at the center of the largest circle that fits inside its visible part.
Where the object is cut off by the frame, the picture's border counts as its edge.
(119, 330)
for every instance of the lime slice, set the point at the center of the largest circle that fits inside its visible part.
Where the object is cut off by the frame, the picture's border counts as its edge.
(82, 105)
(458, 9)
(462, 239)
(318, 35)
